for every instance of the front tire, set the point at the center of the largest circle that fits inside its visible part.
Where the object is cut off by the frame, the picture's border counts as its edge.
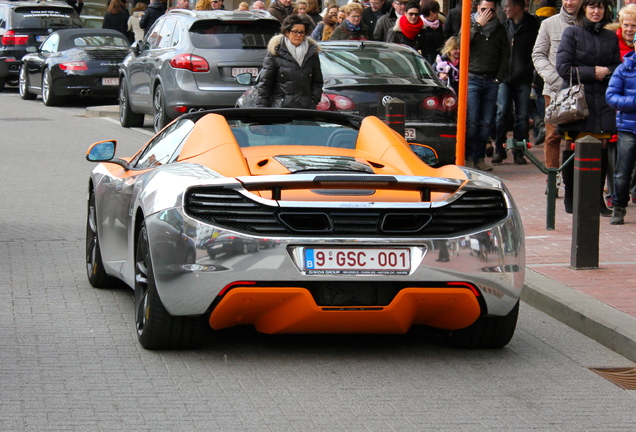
(486, 332)
(23, 85)
(95, 271)
(48, 94)
(159, 116)
(156, 328)
(127, 117)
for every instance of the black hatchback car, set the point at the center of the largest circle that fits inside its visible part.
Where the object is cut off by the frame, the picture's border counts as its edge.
(24, 25)
(361, 77)
(187, 62)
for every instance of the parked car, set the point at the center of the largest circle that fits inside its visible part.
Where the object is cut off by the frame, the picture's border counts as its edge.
(24, 25)
(187, 62)
(93, 14)
(364, 229)
(361, 77)
(74, 62)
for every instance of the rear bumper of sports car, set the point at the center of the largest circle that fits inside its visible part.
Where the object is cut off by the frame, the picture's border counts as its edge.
(451, 281)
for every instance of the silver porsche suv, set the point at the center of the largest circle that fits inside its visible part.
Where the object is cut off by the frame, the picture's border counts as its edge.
(188, 62)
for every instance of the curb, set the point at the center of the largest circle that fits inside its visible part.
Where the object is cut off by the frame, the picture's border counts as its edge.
(102, 111)
(596, 320)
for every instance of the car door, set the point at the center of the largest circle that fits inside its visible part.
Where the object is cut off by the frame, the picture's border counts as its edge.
(117, 192)
(140, 71)
(37, 61)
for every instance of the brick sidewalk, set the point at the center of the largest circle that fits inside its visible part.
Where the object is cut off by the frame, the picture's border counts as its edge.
(548, 251)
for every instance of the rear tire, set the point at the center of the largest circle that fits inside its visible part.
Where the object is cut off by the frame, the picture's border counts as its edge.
(48, 94)
(159, 116)
(486, 332)
(156, 328)
(23, 85)
(127, 117)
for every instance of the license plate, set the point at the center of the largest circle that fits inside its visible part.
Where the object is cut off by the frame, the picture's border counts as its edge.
(409, 133)
(251, 70)
(357, 261)
(110, 81)
(40, 38)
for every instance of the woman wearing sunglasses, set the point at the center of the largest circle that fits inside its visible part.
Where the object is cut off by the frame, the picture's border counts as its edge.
(291, 75)
(409, 28)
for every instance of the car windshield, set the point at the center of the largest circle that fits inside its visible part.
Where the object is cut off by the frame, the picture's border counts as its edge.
(230, 35)
(295, 132)
(46, 18)
(96, 41)
(369, 62)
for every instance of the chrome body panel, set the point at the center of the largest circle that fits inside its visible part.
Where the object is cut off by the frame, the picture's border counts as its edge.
(188, 287)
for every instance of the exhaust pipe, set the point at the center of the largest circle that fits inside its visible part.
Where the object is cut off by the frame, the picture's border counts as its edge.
(86, 92)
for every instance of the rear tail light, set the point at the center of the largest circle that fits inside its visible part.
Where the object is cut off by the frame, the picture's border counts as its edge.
(190, 62)
(74, 66)
(445, 103)
(330, 102)
(10, 38)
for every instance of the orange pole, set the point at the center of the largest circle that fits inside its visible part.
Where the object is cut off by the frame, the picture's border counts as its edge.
(464, 58)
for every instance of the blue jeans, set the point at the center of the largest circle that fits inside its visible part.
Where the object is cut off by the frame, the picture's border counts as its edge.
(482, 105)
(519, 95)
(625, 161)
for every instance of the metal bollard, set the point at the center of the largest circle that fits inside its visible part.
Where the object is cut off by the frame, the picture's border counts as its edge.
(585, 225)
(395, 111)
(551, 173)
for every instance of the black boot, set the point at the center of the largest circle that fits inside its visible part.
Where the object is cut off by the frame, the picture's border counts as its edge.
(567, 175)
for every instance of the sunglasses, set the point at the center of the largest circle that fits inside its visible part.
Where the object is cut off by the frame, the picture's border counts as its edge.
(412, 14)
(487, 9)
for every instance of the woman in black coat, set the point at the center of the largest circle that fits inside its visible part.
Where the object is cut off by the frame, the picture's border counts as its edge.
(116, 18)
(409, 28)
(291, 75)
(433, 31)
(592, 51)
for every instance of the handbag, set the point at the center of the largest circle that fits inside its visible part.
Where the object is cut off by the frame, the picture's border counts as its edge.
(569, 103)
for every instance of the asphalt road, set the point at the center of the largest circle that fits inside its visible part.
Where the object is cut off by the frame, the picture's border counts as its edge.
(69, 359)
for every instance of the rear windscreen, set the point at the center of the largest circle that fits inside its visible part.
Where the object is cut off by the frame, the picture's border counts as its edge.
(232, 35)
(47, 18)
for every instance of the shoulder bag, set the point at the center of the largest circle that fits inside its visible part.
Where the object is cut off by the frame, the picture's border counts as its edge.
(569, 103)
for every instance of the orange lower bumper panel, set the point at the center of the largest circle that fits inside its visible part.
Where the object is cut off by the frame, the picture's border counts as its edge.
(293, 310)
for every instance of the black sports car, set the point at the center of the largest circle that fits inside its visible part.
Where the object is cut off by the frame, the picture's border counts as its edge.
(361, 77)
(74, 62)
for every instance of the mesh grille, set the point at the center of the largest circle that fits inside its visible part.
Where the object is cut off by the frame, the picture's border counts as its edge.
(229, 209)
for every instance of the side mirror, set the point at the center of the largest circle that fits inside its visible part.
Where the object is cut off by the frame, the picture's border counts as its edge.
(137, 47)
(31, 49)
(425, 153)
(245, 79)
(102, 151)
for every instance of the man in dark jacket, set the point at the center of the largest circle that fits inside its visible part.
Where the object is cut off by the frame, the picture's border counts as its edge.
(153, 12)
(387, 22)
(488, 66)
(371, 15)
(514, 91)
(453, 21)
(281, 9)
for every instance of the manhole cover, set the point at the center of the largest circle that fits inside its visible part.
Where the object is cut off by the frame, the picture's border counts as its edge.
(625, 378)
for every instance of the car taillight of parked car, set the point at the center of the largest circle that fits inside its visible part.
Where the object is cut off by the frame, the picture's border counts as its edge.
(190, 62)
(10, 38)
(74, 66)
(330, 102)
(445, 103)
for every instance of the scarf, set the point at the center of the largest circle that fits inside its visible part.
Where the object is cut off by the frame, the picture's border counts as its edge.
(297, 52)
(410, 30)
(351, 27)
(592, 27)
(489, 27)
(431, 24)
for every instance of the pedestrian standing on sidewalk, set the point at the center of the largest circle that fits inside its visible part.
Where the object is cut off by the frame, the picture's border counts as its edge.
(544, 59)
(621, 95)
(513, 96)
(590, 51)
(487, 67)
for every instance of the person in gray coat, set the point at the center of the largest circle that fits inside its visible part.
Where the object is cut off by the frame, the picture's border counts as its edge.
(291, 75)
